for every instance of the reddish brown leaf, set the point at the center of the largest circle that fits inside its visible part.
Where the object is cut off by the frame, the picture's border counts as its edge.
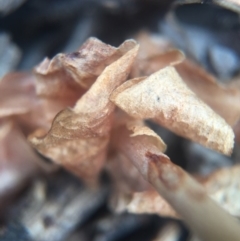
(79, 137)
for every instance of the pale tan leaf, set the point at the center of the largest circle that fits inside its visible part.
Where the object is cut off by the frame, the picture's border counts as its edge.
(79, 137)
(139, 129)
(166, 99)
(223, 99)
(156, 53)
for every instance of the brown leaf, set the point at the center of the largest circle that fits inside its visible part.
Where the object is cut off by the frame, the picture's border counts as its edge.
(67, 75)
(166, 99)
(223, 99)
(79, 137)
(55, 85)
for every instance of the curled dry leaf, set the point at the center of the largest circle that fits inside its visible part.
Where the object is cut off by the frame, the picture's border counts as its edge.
(223, 99)
(79, 70)
(182, 192)
(224, 187)
(17, 160)
(33, 100)
(166, 99)
(156, 53)
(79, 137)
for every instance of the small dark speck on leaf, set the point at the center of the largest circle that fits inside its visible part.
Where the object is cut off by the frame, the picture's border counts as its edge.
(74, 55)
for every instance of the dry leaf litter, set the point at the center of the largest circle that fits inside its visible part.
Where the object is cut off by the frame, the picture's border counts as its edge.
(85, 111)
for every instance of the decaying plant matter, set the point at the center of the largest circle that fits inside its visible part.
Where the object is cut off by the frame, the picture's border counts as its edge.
(186, 195)
(79, 137)
(165, 98)
(80, 111)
